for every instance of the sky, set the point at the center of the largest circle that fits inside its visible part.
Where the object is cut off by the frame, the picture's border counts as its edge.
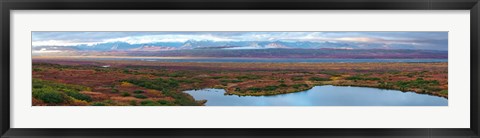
(396, 40)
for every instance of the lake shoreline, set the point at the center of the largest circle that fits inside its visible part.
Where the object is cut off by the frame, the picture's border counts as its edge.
(324, 95)
(433, 94)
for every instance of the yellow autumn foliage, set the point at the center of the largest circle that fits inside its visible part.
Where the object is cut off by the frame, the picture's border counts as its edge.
(126, 84)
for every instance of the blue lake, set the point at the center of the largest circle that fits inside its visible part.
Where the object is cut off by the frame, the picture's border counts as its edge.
(322, 96)
(271, 60)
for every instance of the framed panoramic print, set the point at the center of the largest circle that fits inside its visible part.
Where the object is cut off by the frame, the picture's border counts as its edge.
(239, 68)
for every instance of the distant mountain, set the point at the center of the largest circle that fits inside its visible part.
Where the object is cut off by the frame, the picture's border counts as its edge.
(250, 49)
(268, 53)
(122, 46)
(206, 44)
(300, 53)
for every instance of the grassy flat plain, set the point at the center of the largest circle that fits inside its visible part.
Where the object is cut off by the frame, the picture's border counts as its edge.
(77, 81)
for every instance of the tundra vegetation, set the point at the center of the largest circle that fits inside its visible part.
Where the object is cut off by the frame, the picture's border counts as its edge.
(142, 83)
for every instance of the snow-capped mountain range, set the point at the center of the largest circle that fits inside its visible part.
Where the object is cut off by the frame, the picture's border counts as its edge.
(251, 49)
(193, 44)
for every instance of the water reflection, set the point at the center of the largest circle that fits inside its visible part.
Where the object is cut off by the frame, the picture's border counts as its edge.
(322, 96)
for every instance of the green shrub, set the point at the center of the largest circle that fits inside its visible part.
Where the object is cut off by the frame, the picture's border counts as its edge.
(425, 85)
(99, 104)
(217, 77)
(362, 78)
(331, 73)
(133, 102)
(53, 92)
(37, 85)
(149, 103)
(176, 74)
(126, 71)
(140, 96)
(270, 88)
(138, 91)
(78, 95)
(248, 77)
(49, 95)
(297, 78)
(168, 88)
(255, 89)
(418, 83)
(163, 102)
(296, 86)
(115, 90)
(158, 84)
(98, 70)
(59, 86)
(354, 78)
(266, 88)
(230, 81)
(445, 92)
(318, 79)
(386, 85)
(109, 102)
(125, 94)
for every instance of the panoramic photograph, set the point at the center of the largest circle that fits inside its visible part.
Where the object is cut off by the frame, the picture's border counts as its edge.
(239, 68)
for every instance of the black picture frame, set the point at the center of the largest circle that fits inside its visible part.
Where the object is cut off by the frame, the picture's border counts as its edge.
(7, 5)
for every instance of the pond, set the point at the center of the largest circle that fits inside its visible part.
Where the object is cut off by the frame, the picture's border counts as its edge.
(327, 95)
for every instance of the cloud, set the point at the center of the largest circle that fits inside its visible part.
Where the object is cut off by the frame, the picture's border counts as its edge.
(61, 43)
(410, 40)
